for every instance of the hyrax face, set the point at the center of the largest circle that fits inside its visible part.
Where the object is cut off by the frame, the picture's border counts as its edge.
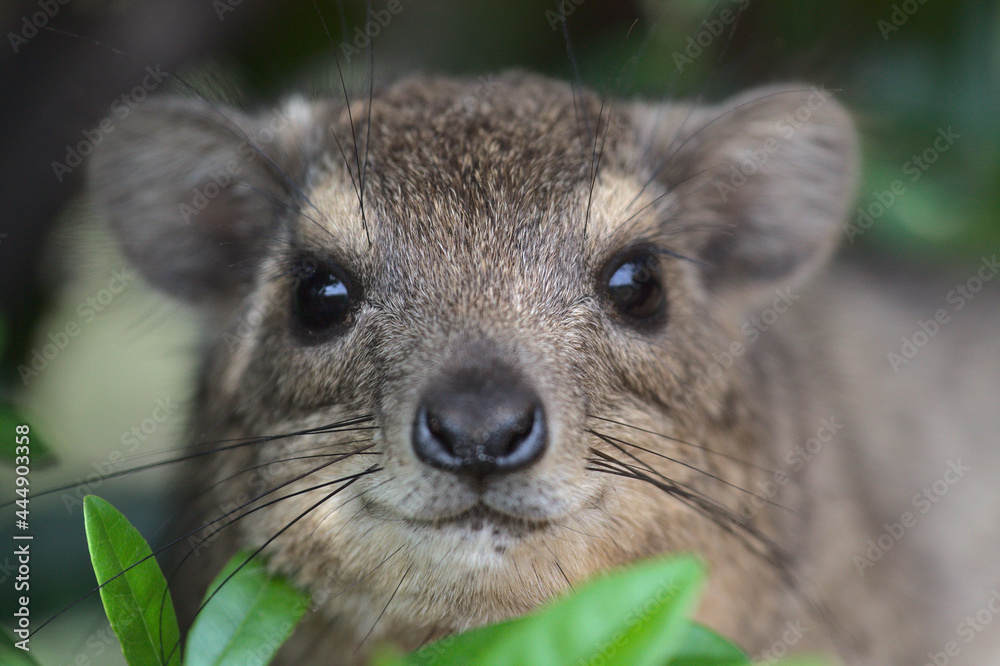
(510, 302)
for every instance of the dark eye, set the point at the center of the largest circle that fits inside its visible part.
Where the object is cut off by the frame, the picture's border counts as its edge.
(322, 298)
(635, 288)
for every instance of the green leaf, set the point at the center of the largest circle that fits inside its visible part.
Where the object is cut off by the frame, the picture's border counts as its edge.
(249, 618)
(141, 617)
(39, 454)
(10, 655)
(703, 647)
(632, 616)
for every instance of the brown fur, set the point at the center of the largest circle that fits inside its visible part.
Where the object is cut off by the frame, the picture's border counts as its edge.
(482, 230)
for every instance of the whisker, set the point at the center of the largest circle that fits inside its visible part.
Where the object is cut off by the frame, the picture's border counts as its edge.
(718, 514)
(385, 608)
(748, 534)
(374, 569)
(270, 540)
(358, 186)
(617, 442)
(275, 199)
(228, 126)
(677, 488)
(368, 117)
(576, 85)
(340, 146)
(338, 457)
(700, 447)
(595, 159)
(725, 113)
(248, 503)
(555, 561)
(343, 426)
(370, 470)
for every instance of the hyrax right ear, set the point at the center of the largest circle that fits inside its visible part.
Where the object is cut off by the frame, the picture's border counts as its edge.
(195, 191)
(768, 178)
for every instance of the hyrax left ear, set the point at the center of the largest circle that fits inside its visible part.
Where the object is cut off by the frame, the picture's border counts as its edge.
(768, 178)
(195, 191)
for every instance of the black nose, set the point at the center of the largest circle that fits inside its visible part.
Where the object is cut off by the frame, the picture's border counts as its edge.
(480, 421)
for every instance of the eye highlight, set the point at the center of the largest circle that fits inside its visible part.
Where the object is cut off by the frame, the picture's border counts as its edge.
(635, 288)
(322, 298)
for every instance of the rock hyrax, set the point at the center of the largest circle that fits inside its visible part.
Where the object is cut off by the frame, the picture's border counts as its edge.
(485, 345)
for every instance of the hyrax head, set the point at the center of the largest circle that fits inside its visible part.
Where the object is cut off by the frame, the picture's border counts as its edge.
(504, 297)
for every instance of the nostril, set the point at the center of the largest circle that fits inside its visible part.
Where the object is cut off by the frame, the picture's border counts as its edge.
(430, 442)
(525, 441)
(491, 426)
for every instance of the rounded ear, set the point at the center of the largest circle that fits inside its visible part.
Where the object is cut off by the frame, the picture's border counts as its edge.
(195, 191)
(768, 175)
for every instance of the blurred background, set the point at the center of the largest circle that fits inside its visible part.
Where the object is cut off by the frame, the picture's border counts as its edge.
(102, 368)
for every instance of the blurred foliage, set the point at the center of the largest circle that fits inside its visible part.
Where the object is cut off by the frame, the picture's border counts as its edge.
(907, 68)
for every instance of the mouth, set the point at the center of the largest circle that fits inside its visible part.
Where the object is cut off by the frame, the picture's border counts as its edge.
(482, 518)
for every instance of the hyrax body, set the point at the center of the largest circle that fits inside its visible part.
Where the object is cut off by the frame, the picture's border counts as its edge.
(516, 301)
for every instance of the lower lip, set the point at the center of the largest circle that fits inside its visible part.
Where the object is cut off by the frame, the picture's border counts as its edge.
(481, 518)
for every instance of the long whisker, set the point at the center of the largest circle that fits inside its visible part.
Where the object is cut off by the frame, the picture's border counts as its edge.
(555, 561)
(719, 514)
(700, 447)
(769, 551)
(230, 126)
(371, 470)
(683, 490)
(368, 117)
(598, 153)
(340, 145)
(336, 457)
(615, 442)
(262, 506)
(271, 539)
(576, 85)
(359, 185)
(343, 426)
(385, 608)
(372, 571)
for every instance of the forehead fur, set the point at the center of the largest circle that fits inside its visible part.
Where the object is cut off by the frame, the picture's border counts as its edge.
(445, 152)
(499, 176)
